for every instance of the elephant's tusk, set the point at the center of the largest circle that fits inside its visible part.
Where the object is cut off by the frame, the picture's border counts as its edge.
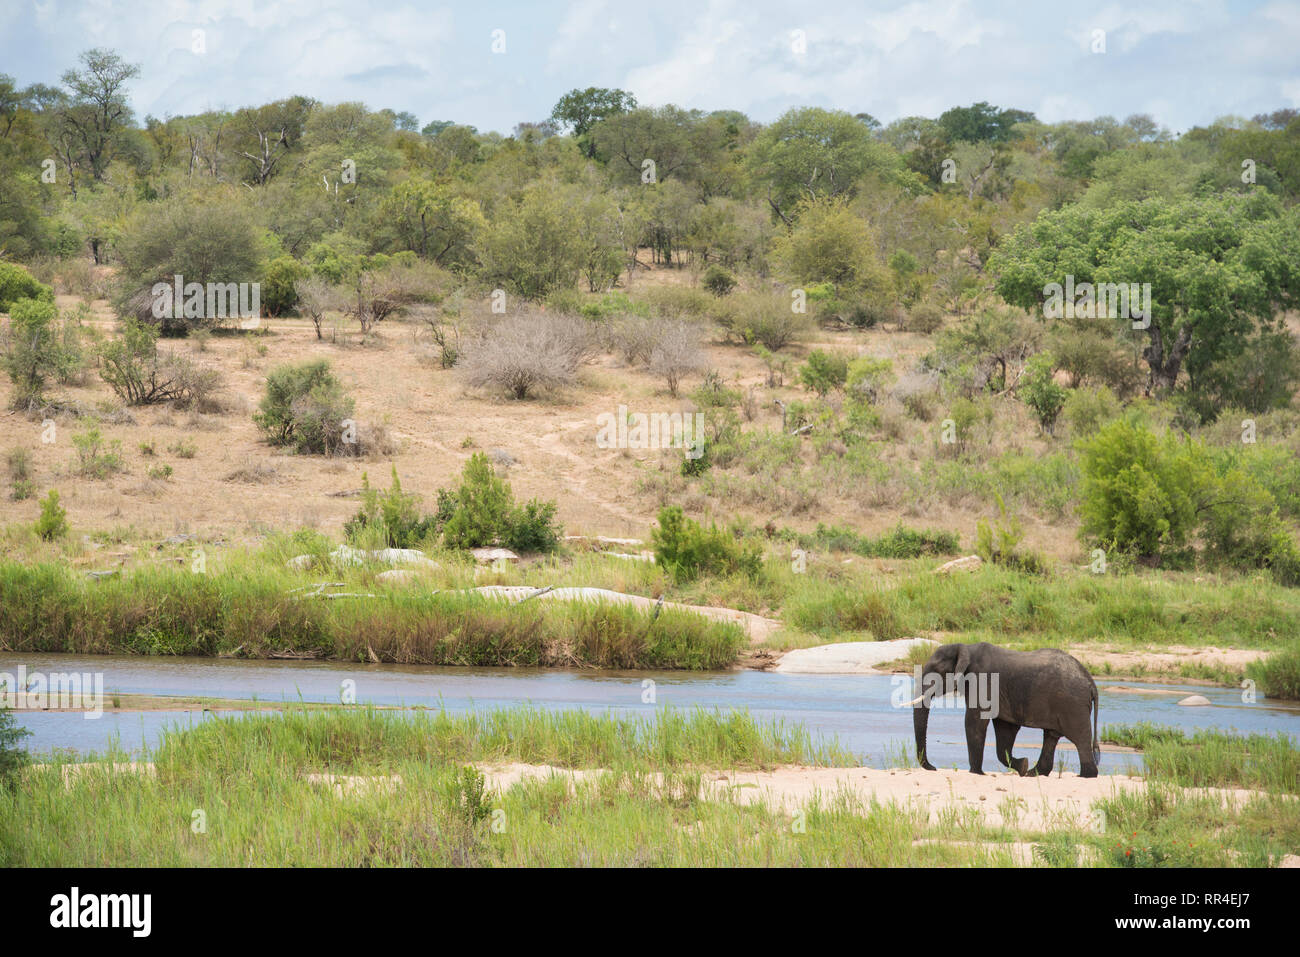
(915, 701)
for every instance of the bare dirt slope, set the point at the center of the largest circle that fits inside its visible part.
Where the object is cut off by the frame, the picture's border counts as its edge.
(237, 487)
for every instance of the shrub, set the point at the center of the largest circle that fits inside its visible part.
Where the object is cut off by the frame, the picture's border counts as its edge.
(1087, 410)
(316, 297)
(12, 758)
(675, 301)
(1138, 491)
(534, 246)
(384, 287)
(305, 407)
(687, 550)
(394, 514)
(533, 528)
(633, 337)
(1040, 391)
(17, 283)
(20, 473)
(676, 354)
(483, 506)
(1091, 355)
(761, 317)
(997, 542)
(718, 280)
(824, 371)
(925, 318)
(33, 353)
(141, 375)
(53, 520)
(279, 284)
(898, 542)
(526, 353)
(216, 241)
(697, 458)
(93, 459)
(867, 377)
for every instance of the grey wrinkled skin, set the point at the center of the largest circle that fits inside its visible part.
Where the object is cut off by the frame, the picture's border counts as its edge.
(1045, 689)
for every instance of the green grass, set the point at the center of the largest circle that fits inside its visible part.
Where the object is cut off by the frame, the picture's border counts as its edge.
(243, 779)
(1212, 758)
(1278, 675)
(250, 611)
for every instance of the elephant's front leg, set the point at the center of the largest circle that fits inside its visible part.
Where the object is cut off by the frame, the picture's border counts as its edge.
(976, 727)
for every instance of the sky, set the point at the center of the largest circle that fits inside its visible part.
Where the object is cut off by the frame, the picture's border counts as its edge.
(494, 64)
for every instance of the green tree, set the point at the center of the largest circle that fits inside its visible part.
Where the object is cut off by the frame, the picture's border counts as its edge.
(811, 153)
(96, 114)
(533, 246)
(580, 110)
(433, 221)
(1219, 269)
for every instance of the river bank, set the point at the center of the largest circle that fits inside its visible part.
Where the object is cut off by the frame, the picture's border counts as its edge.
(356, 787)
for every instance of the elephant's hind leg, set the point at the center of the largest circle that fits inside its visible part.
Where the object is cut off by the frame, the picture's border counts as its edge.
(1047, 756)
(1087, 766)
(1004, 733)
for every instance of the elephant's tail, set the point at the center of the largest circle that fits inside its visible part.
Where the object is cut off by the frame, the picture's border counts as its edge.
(1096, 713)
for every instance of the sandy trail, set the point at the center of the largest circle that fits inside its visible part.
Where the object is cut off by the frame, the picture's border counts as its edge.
(989, 800)
(1168, 658)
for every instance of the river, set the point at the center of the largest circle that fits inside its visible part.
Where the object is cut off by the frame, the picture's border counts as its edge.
(855, 710)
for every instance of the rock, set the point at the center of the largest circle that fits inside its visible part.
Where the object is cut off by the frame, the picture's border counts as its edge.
(1195, 701)
(345, 555)
(486, 556)
(603, 540)
(502, 457)
(403, 556)
(395, 576)
(301, 561)
(97, 575)
(639, 557)
(967, 564)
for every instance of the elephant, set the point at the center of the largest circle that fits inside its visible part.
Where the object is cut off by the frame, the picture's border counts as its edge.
(1045, 689)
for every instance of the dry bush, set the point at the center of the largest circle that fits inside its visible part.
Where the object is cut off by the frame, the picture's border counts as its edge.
(383, 292)
(253, 472)
(527, 352)
(632, 337)
(374, 440)
(677, 354)
(316, 297)
(761, 317)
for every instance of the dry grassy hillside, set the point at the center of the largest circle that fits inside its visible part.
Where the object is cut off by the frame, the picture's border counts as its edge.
(237, 487)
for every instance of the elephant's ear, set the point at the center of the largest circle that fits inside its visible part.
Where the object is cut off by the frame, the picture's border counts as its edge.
(963, 660)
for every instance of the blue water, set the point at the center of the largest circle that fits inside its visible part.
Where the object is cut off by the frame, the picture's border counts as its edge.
(856, 710)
